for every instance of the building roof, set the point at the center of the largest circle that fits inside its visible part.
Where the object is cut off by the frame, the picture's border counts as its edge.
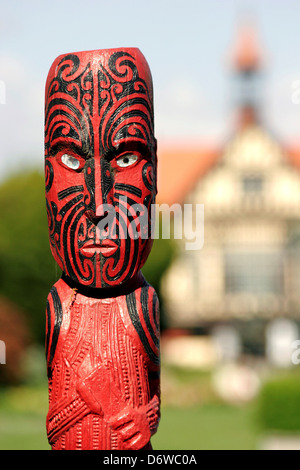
(180, 167)
(293, 155)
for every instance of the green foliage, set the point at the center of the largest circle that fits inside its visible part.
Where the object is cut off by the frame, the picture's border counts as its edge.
(279, 404)
(27, 269)
(162, 253)
(159, 259)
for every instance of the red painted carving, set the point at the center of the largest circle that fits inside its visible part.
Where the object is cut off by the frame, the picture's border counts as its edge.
(102, 334)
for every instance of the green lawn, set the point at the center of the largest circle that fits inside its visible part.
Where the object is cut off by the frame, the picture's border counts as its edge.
(22, 418)
(206, 423)
(210, 427)
(200, 427)
(22, 432)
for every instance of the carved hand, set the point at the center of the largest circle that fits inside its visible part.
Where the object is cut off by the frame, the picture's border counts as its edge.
(132, 427)
(135, 426)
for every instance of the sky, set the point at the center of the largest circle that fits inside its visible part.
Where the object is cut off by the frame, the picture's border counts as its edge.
(186, 43)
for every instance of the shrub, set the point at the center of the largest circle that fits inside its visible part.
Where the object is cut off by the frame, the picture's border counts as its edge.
(279, 404)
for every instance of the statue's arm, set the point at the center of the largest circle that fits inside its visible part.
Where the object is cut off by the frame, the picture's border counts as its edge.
(137, 425)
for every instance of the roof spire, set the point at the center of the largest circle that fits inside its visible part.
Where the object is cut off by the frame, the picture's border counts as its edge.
(246, 61)
(246, 54)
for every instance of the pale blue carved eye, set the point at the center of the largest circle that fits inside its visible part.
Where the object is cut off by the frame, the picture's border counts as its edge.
(70, 162)
(127, 160)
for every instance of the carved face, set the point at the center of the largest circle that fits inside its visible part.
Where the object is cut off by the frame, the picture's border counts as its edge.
(100, 164)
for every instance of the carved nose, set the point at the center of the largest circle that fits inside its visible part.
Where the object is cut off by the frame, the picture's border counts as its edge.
(95, 218)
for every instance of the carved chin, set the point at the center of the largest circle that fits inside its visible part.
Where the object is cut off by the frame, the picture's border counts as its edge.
(107, 266)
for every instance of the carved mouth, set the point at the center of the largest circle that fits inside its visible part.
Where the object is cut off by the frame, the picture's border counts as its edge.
(106, 247)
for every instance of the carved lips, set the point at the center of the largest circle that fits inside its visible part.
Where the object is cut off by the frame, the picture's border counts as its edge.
(105, 247)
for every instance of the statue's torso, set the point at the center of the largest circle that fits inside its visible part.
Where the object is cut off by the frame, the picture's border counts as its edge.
(101, 356)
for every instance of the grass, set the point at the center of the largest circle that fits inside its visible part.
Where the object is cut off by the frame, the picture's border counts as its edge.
(22, 432)
(205, 426)
(22, 418)
(208, 427)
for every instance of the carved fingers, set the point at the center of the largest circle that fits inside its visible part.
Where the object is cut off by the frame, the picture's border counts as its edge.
(132, 427)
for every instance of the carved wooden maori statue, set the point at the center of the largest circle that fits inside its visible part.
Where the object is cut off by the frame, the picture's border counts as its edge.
(102, 317)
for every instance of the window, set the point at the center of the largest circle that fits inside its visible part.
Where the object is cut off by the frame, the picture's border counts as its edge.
(252, 184)
(255, 272)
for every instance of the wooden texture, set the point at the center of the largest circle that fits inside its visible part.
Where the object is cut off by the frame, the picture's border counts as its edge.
(102, 334)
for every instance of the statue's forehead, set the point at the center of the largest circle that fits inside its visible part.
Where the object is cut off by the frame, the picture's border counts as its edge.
(99, 100)
(121, 65)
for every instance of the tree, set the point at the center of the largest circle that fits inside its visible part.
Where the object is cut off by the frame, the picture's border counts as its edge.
(27, 269)
(160, 258)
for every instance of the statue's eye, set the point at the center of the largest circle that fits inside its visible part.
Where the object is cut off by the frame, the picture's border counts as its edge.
(70, 162)
(127, 160)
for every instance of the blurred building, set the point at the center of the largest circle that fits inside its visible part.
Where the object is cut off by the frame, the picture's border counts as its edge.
(248, 271)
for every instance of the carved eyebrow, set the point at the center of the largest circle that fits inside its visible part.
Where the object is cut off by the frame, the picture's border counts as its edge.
(129, 146)
(65, 147)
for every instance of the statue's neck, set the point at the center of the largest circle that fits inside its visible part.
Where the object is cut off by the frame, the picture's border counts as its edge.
(103, 293)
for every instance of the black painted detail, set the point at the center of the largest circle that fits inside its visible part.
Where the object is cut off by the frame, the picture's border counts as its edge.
(49, 174)
(48, 314)
(147, 176)
(67, 192)
(133, 313)
(70, 105)
(154, 375)
(145, 308)
(107, 181)
(129, 188)
(57, 324)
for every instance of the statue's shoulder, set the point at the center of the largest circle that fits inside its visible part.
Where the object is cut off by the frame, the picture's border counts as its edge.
(140, 312)
(58, 300)
(60, 293)
(147, 300)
